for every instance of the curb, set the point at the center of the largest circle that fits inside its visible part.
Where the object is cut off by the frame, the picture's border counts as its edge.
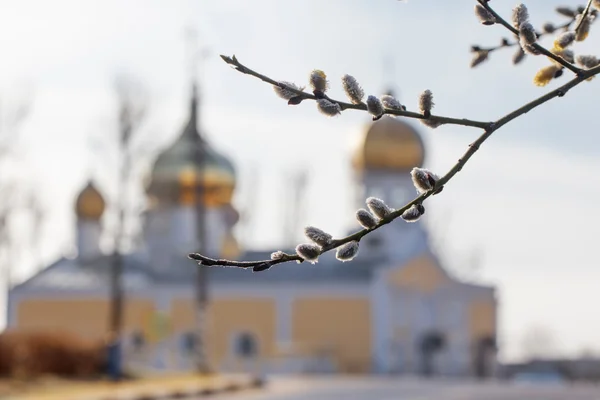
(183, 392)
(231, 387)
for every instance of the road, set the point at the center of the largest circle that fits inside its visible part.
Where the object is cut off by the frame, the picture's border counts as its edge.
(375, 388)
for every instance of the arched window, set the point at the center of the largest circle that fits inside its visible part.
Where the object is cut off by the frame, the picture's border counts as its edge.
(245, 345)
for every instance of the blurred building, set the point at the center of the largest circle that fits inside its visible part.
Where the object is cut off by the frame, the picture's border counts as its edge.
(394, 309)
(585, 369)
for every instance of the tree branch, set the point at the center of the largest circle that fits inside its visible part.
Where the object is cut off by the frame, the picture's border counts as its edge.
(343, 105)
(436, 186)
(507, 43)
(536, 46)
(584, 14)
(473, 148)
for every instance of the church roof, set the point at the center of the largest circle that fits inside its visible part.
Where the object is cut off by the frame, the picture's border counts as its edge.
(75, 274)
(176, 173)
(94, 275)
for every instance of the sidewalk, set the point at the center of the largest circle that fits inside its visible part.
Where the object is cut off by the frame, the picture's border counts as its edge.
(169, 387)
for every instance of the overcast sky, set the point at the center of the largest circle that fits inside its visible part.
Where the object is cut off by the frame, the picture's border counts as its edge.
(528, 201)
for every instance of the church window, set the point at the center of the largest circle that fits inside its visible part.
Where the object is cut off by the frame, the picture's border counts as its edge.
(188, 342)
(245, 345)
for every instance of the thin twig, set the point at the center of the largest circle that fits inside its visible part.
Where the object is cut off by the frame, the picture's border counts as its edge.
(536, 46)
(584, 14)
(473, 147)
(507, 43)
(343, 105)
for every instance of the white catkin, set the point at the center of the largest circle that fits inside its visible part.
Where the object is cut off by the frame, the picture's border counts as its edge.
(527, 34)
(378, 207)
(352, 88)
(328, 108)
(587, 61)
(374, 106)
(484, 16)
(413, 214)
(278, 255)
(391, 102)
(426, 102)
(564, 40)
(520, 15)
(366, 219)
(318, 236)
(309, 252)
(285, 93)
(584, 28)
(422, 178)
(430, 123)
(347, 252)
(318, 81)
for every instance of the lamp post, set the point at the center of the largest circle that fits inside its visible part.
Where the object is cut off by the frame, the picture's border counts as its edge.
(195, 56)
(201, 287)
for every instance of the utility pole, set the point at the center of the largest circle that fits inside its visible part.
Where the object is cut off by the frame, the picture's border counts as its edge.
(199, 154)
(116, 281)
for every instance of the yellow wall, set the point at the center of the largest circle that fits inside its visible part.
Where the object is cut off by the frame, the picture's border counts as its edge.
(229, 316)
(420, 273)
(482, 319)
(340, 324)
(85, 317)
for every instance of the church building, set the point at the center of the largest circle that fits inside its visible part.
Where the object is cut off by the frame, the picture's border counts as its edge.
(393, 309)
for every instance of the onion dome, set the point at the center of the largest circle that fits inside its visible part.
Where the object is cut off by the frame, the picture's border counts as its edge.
(90, 204)
(176, 176)
(389, 144)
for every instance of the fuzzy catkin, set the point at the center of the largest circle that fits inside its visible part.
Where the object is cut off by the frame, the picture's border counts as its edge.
(352, 88)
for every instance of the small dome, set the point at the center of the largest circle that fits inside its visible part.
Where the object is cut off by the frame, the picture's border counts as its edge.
(90, 204)
(389, 144)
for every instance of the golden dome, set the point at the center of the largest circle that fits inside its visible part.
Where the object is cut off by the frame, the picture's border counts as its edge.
(175, 176)
(90, 203)
(389, 144)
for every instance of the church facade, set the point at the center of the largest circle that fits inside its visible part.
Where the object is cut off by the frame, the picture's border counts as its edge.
(394, 309)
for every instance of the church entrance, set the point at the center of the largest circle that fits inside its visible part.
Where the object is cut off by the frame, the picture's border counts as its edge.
(430, 345)
(485, 349)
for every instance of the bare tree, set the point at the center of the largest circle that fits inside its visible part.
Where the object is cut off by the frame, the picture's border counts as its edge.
(539, 342)
(13, 113)
(132, 105)
(561, 59)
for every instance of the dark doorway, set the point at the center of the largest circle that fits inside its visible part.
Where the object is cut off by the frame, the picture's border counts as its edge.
(485, 348)
(430, 344)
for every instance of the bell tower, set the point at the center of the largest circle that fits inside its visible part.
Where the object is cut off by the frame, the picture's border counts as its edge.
(388, 150)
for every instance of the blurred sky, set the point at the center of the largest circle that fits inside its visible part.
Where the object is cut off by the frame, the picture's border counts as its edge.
(528, 201)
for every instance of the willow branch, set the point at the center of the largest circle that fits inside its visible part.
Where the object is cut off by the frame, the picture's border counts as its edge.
(473, 148)
(536, 46)
(584, 15)
(507, 43)
(344, 106)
